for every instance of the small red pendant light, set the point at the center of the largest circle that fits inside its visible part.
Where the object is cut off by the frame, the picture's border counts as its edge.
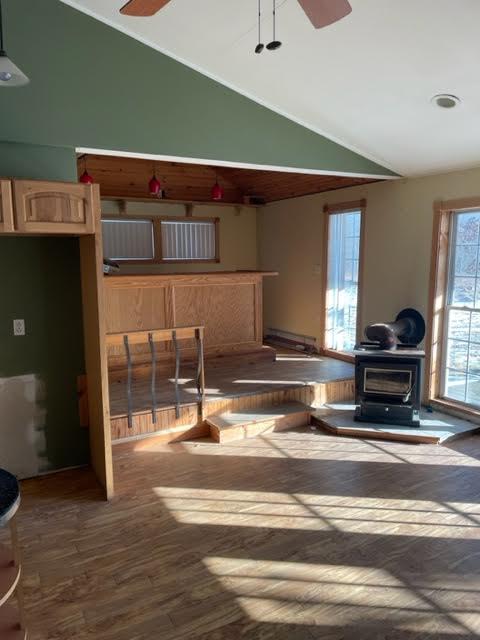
(86, 178)
(154, 186)
(217, 191)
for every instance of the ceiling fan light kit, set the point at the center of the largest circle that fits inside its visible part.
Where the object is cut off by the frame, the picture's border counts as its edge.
(321, 13)
(260, 46)
(274, 45)
(10, 74)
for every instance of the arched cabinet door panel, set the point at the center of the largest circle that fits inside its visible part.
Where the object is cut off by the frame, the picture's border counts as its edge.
(6, 207)
(53, 207)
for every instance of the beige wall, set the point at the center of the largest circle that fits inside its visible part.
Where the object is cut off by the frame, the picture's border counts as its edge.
(398, 236)
(238, 235)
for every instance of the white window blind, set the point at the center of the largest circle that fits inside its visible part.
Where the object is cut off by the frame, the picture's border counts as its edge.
(128, 239)
(187, 240)
(342, 280)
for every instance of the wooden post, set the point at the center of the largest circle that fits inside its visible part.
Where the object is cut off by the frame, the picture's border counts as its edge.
(91, 266)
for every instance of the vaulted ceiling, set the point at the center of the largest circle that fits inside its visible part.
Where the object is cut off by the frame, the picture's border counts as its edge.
(96, 88)
(125, 178)
(365, 81)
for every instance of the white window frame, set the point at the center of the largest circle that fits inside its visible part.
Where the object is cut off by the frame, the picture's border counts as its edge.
(449, 307)
(437, 330)
(358, 206)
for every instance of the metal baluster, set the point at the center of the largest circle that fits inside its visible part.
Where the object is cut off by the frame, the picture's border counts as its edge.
(177, 373)
(200, 374)
(154, 376)
(129, 381)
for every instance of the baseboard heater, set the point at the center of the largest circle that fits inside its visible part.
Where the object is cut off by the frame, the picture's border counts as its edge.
(290, 340)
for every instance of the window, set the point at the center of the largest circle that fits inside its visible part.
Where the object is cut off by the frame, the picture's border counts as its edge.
(461, 352)
(156, 239)
(453, 345)
(188, 240)
(343, 232)
(128, 239)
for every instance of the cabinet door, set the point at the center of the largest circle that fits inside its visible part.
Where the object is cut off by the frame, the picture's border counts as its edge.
(54, 207)
(6, 207)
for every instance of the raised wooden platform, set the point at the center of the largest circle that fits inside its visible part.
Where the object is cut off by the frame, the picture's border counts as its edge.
(232, 386)
(435, 427)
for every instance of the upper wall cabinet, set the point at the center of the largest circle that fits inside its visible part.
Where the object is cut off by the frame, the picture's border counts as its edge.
(54, 207)
(6, 207)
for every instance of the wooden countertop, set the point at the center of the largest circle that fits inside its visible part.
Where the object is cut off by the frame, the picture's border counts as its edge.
(125, 280)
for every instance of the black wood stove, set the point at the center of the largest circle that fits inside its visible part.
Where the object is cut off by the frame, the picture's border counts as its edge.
(389, 371)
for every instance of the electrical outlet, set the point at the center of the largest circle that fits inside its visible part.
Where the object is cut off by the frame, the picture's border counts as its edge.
(19, 327)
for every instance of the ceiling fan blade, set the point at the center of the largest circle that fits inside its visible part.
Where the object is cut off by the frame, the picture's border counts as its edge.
(143, 8)
(324, 12)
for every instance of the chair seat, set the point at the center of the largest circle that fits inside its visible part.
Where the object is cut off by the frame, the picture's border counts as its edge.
(9, 496)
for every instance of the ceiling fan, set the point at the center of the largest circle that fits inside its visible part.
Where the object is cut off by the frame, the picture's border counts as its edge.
(321, 13)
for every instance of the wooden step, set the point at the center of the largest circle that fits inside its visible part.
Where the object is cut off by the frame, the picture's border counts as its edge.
(249, 423)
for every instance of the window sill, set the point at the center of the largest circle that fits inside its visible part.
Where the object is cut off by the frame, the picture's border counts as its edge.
(339, 355)
(456, 409)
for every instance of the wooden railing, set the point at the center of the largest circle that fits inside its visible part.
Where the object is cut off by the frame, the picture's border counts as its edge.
(174, 334)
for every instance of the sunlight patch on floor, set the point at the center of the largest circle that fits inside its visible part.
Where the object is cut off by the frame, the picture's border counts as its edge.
(317, 512)
(289, 592)
(282, 382)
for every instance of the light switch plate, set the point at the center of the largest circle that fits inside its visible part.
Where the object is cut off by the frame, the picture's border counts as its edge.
(19, 327)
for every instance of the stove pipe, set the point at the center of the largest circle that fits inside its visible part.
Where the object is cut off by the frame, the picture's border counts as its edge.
(407, 328)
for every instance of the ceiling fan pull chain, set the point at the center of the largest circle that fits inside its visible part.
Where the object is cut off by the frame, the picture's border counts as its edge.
(274, 17)
(259, 47)
(274, 44)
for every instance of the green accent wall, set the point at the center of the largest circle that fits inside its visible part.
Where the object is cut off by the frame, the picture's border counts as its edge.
(37, 162)
(41, 283)
(92, 86)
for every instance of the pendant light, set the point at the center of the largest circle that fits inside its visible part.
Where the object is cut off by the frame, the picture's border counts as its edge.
(86, 178)
(217, 191)
(274, 44)
(154, 186)
(260, 46)
(10, 74)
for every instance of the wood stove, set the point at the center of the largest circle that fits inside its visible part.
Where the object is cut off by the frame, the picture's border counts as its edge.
(389, 371)
(388, 386)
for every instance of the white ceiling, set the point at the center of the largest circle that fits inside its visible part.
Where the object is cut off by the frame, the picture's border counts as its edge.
(365, 82)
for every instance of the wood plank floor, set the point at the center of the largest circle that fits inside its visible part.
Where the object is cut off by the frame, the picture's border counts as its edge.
(232, 378)
(291, 536)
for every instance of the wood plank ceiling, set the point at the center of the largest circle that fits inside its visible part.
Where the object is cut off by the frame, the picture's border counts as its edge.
(126, 178)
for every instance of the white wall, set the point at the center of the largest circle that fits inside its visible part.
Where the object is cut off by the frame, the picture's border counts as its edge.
(398, 237)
